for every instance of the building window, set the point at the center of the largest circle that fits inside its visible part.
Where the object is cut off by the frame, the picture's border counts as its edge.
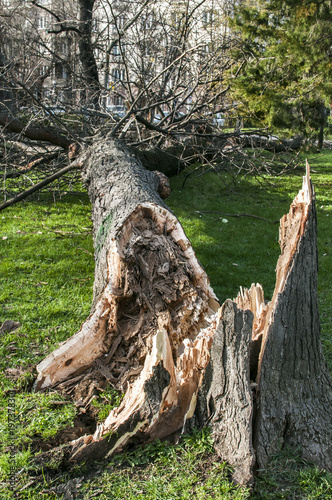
(118, 101)
(118, 75)
(145, 47)
(147, 22)
(208, 17)
(43, 70)
(95, 24)
(42, 23)
(60, 71)
(175, 18)
(119, 23)
(116, 50)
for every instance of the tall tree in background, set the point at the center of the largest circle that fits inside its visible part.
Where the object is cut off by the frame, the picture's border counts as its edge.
(156, 331)
(286, 79)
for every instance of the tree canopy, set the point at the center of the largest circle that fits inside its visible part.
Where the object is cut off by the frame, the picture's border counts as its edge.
(285, 53)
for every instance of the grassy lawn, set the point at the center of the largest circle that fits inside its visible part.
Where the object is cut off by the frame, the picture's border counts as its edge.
(46, 272)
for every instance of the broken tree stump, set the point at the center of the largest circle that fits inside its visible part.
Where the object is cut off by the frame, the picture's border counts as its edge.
(294, 389)
(253, 371)
(224, 399)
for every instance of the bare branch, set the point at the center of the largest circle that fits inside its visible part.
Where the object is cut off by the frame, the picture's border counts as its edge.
(36, 134)
(122, 32)
(75, 165)
(63, 27)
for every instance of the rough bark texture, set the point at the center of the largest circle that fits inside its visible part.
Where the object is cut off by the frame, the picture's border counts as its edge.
(116, 193)
(292, 385)
(294, 393)
(36, 134)
(86, 54)
(146, 272)
(155, 332)
(224, 399)
(153, 312)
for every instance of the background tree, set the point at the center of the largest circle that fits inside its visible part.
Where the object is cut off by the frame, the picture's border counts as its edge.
(285, 82)
(153, 76)
(155, 323)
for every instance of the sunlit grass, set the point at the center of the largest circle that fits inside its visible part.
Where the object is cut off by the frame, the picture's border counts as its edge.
(165, 472)
(46, 273)
(245, 250)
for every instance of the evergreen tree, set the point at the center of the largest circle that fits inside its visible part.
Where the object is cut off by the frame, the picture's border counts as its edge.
(285, 48)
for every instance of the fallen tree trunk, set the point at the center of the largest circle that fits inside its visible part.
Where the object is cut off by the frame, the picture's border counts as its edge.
(34, 133)
(156, 332)
(270, 143)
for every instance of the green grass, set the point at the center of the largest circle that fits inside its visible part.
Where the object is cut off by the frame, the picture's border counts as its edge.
(290, 477)
(245, 250)
(165, 472)
(46, 273)
(107, 401)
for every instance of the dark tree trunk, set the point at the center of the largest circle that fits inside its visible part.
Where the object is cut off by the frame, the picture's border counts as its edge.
(322, 123)
(155, 332)
(224, 398)
(12, 124)
(87, 58)
(294, 392)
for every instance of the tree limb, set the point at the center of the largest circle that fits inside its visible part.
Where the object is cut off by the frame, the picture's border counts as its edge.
(34, 133)
(61, 24)
(37, 101)
(124, 29)
(75, 165)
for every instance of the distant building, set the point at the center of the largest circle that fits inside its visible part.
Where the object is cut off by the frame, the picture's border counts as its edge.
(41, 46)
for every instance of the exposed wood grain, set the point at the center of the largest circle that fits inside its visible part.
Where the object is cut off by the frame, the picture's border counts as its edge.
(253, 371)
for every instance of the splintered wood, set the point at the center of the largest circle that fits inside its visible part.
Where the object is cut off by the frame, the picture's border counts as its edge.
(253, 371)
(155, 282)
(293, 386)
(158, 290)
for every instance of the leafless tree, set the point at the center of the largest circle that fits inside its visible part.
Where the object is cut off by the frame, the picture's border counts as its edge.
(149, 75)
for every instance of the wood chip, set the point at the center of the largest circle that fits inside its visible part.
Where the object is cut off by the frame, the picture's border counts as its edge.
(114, 347)
(147, 302)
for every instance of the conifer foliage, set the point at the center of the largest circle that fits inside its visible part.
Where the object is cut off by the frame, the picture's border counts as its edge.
(286, 59)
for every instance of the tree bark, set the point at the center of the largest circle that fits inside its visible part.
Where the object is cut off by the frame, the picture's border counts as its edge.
(86, 54)
(36, 134)
(270, 144)
(224, 397)
(151, 298)
(253, 371)
(294, 392)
